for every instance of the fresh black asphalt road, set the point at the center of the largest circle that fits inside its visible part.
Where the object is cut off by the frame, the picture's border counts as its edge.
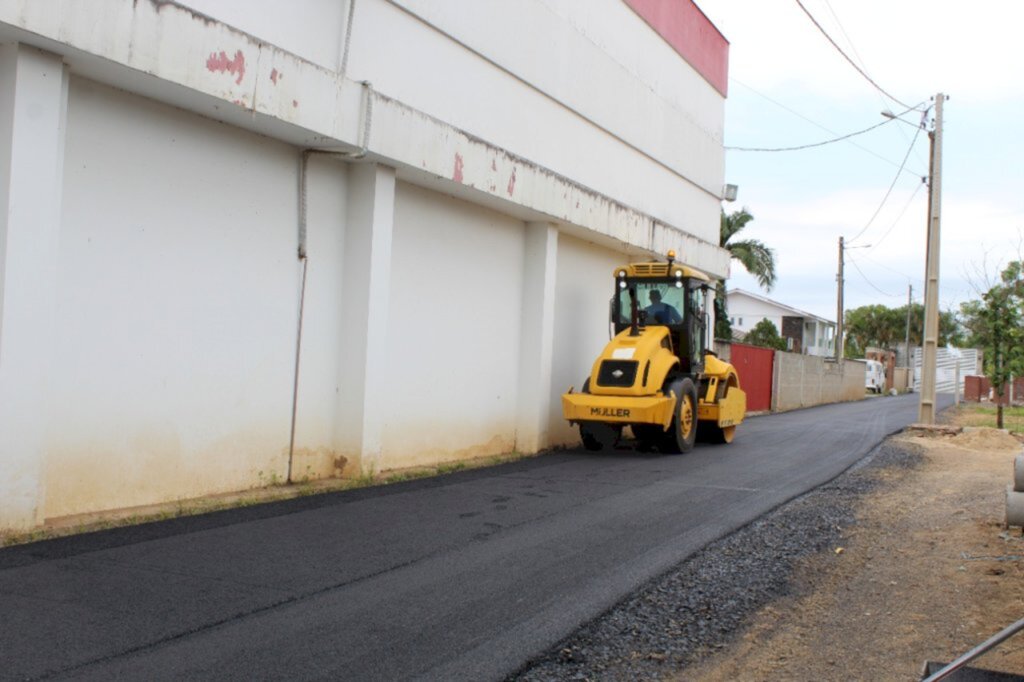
(461, 577)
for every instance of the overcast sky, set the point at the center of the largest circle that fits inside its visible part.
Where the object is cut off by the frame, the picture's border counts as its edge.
(788, 86)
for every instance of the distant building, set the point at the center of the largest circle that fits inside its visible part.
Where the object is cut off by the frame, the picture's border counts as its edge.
(804, 332)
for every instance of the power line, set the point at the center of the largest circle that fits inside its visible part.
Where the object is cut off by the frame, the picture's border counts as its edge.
(817, 144)
(853, 48)
(870, 283)
(900, 217)
(815, 123)
(809, 146)
(888, 191)
(911, 280)
(847, 58)
(842, 29)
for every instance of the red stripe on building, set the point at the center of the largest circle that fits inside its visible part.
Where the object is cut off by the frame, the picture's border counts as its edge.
(691, 34)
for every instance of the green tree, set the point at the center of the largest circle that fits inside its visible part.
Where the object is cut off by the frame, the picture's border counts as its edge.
(974, 323)
(951, 332)
(996, 323)
(869, 325)
(883, 327)
(752, 254)
(766, 335)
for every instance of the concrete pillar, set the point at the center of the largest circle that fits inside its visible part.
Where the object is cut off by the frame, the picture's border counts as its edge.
(365, 296)
(33, 109)
(537, 337)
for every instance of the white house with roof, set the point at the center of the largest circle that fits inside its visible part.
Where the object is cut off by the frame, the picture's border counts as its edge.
(804, 332)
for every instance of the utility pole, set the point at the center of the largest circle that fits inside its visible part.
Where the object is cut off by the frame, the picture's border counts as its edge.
(910, 302)
(839, 306)
(930, 340)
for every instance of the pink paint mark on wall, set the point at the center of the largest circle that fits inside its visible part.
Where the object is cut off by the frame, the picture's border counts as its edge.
(274, 75)
(512, 182)
(457, 173)
(494, 164)
(220, 63)
(295, 103)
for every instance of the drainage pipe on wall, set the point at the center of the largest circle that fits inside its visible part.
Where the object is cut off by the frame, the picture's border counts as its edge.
(348, 36)
(367, 118)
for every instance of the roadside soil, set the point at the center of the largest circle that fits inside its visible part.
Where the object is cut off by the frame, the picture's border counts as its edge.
(926, 573)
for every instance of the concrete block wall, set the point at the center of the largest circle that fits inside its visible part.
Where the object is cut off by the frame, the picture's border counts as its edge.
(901, 379)
(724, 350)
(807, 380)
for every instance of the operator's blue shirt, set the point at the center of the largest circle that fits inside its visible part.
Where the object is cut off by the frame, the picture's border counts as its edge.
(663, 313)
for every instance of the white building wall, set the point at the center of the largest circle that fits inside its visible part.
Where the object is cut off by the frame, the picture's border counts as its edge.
(634, 158)
(555, 98)
(33, 108)
(497, 142)
(453, 330)
(176, 306)
(818, 338)
(311, 29)
(747, 312)
(583, 287)
(322, 384)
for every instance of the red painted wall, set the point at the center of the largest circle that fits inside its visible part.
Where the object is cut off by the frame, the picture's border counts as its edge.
(691, 34)
(754, 365)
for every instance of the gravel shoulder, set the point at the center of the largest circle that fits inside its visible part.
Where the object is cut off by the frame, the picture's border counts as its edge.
(901, 559)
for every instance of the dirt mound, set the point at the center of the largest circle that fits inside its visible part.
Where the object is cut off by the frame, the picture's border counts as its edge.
(983, 438)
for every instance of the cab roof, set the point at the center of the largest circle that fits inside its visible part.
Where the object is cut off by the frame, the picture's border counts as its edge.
(659, 269)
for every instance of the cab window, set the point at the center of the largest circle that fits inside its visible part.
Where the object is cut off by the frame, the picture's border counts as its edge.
(662, 302)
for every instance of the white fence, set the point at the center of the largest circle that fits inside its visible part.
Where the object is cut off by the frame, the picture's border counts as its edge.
(946, 361)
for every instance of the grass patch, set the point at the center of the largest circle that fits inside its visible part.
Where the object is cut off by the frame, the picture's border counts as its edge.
(411, 475)
(981, 414)
(450, 467)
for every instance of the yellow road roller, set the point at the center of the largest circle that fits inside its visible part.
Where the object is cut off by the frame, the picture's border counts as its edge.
(655, 375)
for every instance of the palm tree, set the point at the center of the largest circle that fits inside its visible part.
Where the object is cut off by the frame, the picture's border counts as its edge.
(755, 257)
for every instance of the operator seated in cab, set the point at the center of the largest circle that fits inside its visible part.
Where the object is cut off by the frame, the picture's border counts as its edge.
(659, 312)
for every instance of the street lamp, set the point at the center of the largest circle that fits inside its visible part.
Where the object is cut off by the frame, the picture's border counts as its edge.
(889, 114)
